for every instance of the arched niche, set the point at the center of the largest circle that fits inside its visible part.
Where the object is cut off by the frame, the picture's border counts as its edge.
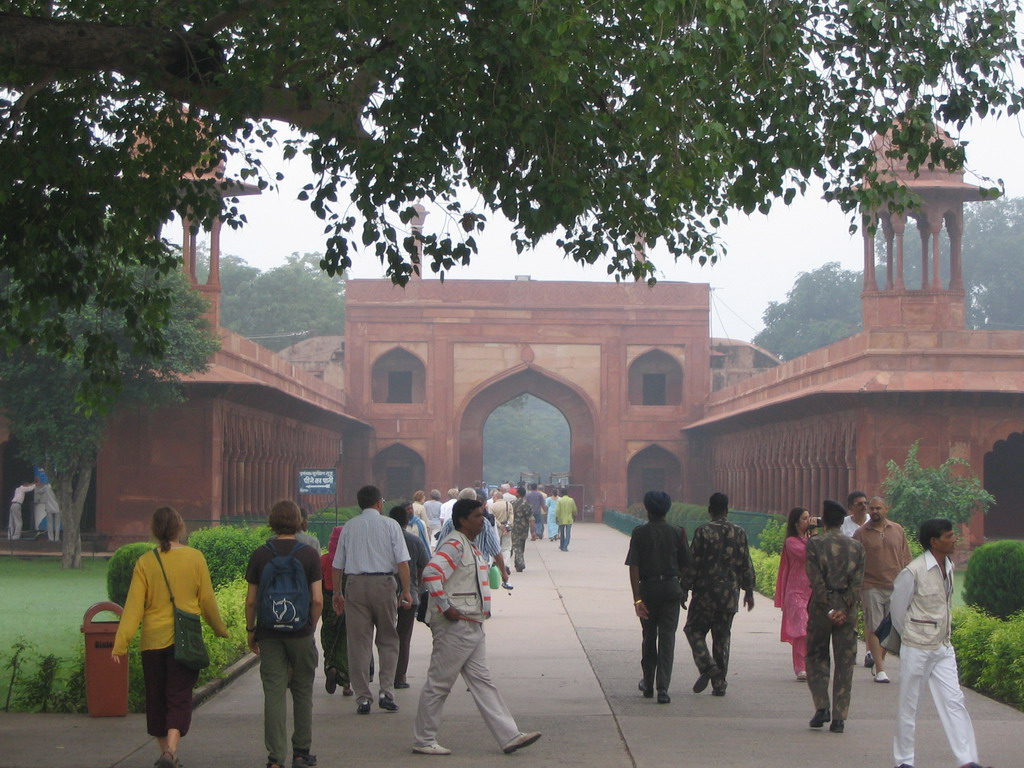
(398, 376)
(399, 472)
(1004, 480)
(653, 469)
(572, 403)
(655, 378)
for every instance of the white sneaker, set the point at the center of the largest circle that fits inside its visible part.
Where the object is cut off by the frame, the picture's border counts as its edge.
(520, 741)
(431, 749)
(881, 677)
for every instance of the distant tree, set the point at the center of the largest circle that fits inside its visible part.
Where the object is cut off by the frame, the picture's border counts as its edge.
(993, 257)
(915, 493)
(294, 300)
(823, 306)
(39, 392)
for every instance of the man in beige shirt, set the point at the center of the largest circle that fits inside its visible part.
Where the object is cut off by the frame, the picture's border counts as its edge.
(887, 553)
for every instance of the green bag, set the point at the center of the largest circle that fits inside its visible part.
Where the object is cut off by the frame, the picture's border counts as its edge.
(189, 648)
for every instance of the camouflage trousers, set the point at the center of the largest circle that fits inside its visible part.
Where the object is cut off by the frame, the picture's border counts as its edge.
(820, 633)
(699, 621)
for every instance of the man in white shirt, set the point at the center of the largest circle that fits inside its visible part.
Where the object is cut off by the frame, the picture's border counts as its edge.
(857, 503)
(921, 607)
(370, 552)
(446, 508)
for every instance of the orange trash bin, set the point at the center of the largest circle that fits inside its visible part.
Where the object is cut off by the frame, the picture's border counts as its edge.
(106, 682)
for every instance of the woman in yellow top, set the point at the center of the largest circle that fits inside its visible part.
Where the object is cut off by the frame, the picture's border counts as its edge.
(168, 684)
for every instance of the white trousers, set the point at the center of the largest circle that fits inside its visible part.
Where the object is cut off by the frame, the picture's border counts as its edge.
(459, 648)
(936, 669)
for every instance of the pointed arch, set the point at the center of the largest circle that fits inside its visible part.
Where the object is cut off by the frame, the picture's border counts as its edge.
(655, 378)
(653, 469)
(399, 471)
(398, 376)
(529, 379)
(1003, 479)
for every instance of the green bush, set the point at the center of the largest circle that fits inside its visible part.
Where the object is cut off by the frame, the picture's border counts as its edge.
(1004, 673)
(225, 651)
(773, 535)
(972, 632)
(122, 565)
(766, 570)
(995, 573)
(227, 549)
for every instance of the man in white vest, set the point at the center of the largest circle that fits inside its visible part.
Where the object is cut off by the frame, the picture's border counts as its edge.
(920, 608)
(459, 602)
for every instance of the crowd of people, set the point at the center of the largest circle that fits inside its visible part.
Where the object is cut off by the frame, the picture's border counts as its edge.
(830, 567)
(421, 559)
(434, 561)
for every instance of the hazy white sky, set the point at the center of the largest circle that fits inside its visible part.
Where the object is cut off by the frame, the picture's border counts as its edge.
(765, 253)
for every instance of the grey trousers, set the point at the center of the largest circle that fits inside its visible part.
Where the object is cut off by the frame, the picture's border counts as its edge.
(371, 603)
(459, 648)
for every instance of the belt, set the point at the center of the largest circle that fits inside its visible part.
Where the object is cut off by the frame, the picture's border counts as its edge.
(839, 591)
(381, 573)
(659, 578)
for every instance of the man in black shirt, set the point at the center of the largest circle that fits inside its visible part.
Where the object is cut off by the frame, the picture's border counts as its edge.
(658, 553)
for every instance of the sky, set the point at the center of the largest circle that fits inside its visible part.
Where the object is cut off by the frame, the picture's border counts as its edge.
(764, 256)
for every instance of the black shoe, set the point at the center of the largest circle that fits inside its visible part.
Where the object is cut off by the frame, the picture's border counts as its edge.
(401, 686)
(821, 716)
(838, 726)
(386, 702)
(704, 679)
(331, 683)
(663, 697)
(303, 760)
(869, 660)
(363, 707)
(718, 691)
(646, 689)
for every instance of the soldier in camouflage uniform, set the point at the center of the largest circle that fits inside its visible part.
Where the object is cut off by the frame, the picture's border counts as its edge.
(720, 566)
(835, 567)
(522, 524)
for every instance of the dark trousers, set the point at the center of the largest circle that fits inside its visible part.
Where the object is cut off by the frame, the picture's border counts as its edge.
(659, 630)
(405, 624)
(699, 621)
(821, 632)
(169, 687)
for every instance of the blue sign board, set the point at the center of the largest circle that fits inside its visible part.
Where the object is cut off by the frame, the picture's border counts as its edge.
(320, 481)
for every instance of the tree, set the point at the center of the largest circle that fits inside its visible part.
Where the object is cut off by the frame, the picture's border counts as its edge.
(823, 306)
(526, 434)
(291, 301)
(917, 493)
(604, 122)
(993, 248)
(38, 392)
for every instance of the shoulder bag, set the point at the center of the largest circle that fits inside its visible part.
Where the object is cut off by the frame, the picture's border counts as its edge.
(189, 648)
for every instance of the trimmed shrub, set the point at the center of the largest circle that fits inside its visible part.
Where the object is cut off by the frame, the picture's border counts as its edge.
(773, 535)
(227, 550)
(995, 573)
(972, 633)
(1004, 673)
(766, 570)
(120, 569)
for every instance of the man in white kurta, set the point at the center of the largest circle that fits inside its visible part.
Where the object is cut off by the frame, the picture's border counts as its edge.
(458, 604)
(920, 609)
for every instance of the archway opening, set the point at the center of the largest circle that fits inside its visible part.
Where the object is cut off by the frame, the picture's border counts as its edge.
(1005, 481)
(525, 436)
(578, 413)
(653, 469)
(399, 472)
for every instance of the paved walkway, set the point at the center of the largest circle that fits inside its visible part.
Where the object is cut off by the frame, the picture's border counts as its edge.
(564, 648)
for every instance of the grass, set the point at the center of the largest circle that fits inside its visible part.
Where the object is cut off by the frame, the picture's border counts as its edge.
(45, 605)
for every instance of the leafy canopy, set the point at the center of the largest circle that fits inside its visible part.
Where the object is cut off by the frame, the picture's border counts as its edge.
(603, 122)
(917, 493)
(823, 306)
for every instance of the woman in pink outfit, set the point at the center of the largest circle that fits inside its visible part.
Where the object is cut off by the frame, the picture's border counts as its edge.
(793, 588)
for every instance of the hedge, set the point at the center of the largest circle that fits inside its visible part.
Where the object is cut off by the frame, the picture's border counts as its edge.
(121, 568)
(990, 654)
(227, 549)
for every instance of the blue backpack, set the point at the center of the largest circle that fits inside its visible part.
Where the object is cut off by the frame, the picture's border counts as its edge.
(283, 595)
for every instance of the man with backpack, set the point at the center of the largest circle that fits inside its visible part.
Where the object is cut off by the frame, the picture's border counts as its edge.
(282, 609)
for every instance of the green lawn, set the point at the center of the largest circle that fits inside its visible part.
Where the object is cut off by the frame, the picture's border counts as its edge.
(45, 605)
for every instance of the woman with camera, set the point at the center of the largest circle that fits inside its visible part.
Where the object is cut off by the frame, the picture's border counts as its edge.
(793, 588)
